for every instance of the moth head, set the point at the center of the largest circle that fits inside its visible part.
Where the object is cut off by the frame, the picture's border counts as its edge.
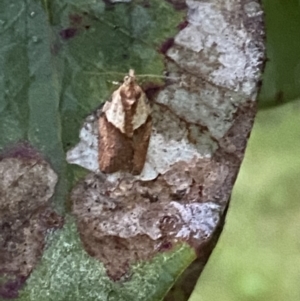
(130, 78)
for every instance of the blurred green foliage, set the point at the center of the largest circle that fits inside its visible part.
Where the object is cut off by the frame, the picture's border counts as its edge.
(258, 255)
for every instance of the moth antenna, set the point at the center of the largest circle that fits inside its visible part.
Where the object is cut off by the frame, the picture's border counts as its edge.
(104, 73)
(158, 76)
(131, 73)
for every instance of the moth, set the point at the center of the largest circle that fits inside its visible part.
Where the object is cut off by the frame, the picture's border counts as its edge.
(125, 126)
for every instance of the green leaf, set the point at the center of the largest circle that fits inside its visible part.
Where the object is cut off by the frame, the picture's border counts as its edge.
(57, 59)
(281, 79)
(68, 273)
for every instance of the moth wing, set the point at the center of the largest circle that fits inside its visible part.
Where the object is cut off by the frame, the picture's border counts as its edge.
(115, 149)
(142, 112)
(115, 112)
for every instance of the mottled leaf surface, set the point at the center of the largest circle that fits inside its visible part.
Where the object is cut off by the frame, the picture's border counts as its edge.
(51, 56)
(58, 60)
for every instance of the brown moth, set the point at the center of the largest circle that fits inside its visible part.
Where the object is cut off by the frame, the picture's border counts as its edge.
(125, 126)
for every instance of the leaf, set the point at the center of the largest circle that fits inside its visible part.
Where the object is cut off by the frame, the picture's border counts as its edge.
(58, 61)
(281, 77)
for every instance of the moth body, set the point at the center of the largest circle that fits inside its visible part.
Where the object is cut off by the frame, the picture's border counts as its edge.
(124, 129)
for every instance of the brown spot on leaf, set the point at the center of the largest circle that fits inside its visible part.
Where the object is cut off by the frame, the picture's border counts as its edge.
(26, 184)
(151, 90)
(109, 5)
(9, 290)
(178, 4)
(77, 23)
(75, 19)
(21, 150)
(183, 25)
(126, 226)
(166, 45)
(68, 33)
(146, 3)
